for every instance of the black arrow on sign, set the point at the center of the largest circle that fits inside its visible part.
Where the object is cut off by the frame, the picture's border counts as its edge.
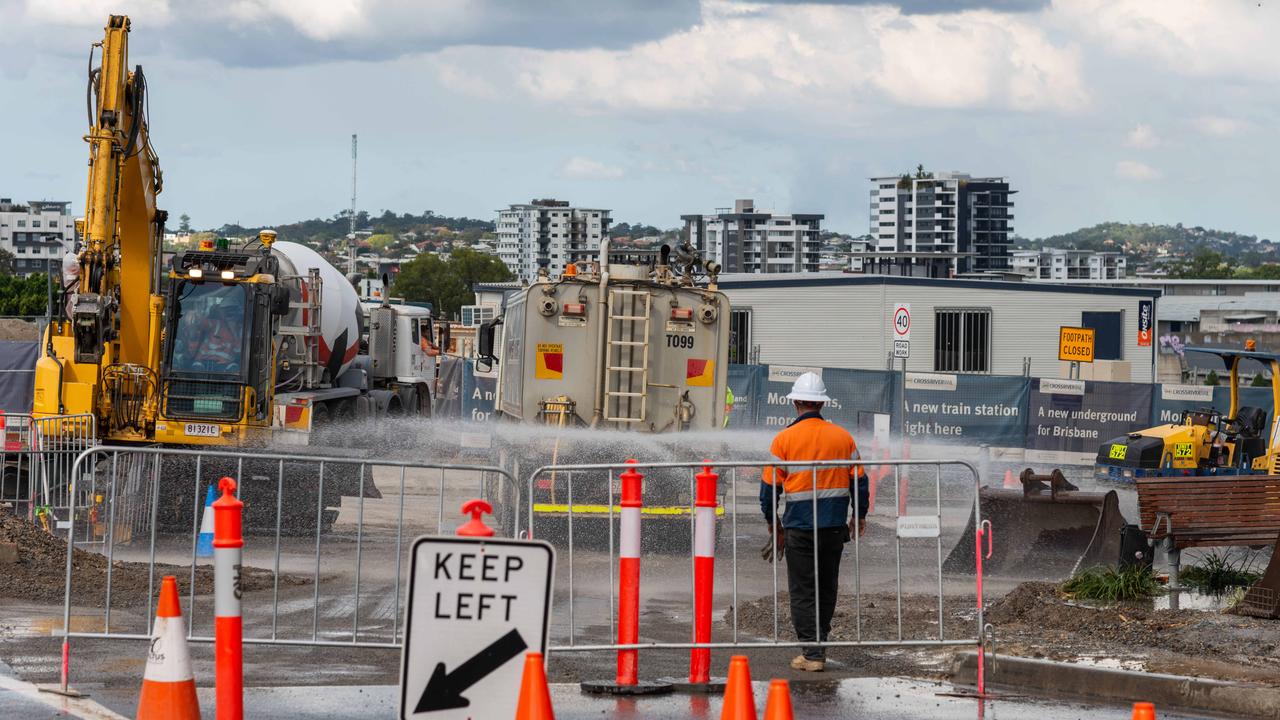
(444, 690)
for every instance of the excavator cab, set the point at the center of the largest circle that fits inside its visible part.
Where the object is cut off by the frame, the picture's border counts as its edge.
(217, 365)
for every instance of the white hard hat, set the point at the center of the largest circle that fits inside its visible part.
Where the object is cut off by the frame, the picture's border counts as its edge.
(809, 388)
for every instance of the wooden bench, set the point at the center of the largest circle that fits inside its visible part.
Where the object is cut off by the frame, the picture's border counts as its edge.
(1217, 511)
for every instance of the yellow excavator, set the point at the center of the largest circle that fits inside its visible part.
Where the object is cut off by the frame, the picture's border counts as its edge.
(223, 346)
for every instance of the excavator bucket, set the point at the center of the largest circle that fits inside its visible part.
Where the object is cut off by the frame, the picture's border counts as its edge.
(1263, 599)
(1045, 530)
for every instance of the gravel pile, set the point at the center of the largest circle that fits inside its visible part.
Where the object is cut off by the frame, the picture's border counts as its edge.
(39, 575)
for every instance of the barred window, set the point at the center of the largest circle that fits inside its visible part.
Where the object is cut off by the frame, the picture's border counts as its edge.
(962, 340)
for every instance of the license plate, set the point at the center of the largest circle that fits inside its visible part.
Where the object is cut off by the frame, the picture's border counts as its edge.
(203, 430)
(1118, 452)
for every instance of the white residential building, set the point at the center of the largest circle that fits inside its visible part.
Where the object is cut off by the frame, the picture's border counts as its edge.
(548, 233)
(1059, 264)
(966, 222)
(748, 240)
(38, 234)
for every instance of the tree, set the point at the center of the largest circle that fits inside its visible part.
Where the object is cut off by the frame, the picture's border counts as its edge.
(28, 296)
(6, 262)
(1211, 378)
(1205, 264)
(184, 223)
(446, 283)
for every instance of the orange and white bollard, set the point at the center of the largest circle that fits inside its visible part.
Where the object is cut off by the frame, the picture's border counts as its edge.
(704, 571)
(627, 680)
(228, 541)
(629, 575)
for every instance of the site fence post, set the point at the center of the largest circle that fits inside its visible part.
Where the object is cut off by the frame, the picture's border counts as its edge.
(983, 531)
(704, 565)
(228, 542)
(629, 576)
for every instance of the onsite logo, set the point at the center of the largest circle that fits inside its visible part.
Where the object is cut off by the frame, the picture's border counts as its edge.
(550, 362)
(700, 373)
(1145, 310)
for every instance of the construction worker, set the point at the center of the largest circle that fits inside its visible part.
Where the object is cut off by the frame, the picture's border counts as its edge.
(728, 404)
(799, 534)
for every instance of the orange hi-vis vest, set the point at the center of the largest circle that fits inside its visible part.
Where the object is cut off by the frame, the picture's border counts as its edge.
(811, 438)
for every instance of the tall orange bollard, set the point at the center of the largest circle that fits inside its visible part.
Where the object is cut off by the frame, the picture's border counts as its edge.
(739, 699)
(228, 636)
(778, 704)
(627, 681)
(535, 696)
(1144, 711)
(168, 686)
(704, 572)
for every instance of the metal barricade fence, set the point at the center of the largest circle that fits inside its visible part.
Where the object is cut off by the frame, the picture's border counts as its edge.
(590, 494)
(35, 464)
(312, 575)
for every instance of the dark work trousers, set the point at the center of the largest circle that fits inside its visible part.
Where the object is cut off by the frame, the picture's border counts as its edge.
(802, 586)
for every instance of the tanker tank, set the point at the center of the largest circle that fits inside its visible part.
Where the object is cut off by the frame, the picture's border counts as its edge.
(339, 307)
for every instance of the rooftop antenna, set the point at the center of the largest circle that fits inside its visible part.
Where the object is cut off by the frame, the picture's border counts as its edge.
(351, 234)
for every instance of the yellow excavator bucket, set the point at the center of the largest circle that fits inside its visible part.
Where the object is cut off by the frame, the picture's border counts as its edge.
(1044, 530)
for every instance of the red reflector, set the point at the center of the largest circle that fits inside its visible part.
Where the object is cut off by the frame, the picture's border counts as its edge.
(575, 309)
(206, 245)
(292, 413)
(543, 483)
(682, 313)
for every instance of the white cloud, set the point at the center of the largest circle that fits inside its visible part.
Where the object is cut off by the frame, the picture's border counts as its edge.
(93, 13)
(315, 19)
(1219, 126)
(1134, 170)
(583, 168)
(808, 59)
(1190, 37)
(1142, 137)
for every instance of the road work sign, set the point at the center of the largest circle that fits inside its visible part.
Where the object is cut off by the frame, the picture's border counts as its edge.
(476, 606)
(902, 348)
(1075, 344)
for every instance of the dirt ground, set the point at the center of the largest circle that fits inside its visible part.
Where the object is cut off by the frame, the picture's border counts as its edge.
(1033, 620)
(15, 329)
(42, 564)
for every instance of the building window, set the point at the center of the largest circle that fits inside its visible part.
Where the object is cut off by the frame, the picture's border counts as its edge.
(962, 340)
(740, 335)
(1108, 330)
(22, 223)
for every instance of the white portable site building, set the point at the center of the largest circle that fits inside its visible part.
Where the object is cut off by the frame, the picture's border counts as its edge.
(991, 327)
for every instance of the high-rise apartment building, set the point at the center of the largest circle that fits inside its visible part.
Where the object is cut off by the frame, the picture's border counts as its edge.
(965, 222)
(38, 234)
(548, 233)
(747, 240)
(1060, 264)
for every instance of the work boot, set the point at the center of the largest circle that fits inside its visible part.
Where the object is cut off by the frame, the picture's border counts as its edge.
(803, 663)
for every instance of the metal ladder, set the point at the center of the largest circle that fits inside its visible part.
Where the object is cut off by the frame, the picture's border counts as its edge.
(621, 368)
(307, 336)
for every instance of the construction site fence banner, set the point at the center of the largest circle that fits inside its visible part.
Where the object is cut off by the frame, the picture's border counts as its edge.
(1053, 420)
(17, 374)
(966, 409)
(1069, 419)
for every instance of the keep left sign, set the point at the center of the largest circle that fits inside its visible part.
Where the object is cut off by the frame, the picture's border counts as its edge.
(475, 607)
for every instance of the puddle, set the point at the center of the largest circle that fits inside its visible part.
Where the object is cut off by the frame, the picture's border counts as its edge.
(1192, 600)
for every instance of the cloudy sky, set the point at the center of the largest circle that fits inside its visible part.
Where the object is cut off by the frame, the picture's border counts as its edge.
(1130, 110)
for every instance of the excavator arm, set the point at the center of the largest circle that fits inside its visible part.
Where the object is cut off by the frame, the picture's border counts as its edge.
(102, 349)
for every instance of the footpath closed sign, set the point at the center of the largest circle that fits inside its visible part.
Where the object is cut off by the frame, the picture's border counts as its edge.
(1075, 344)
(476, 606)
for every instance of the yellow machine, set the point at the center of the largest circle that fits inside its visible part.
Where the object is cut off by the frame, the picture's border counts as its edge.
(102, 358)
(1203, 441)
(224, 345)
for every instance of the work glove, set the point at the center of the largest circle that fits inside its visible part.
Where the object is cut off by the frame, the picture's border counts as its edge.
(775, 543)
(858, 527)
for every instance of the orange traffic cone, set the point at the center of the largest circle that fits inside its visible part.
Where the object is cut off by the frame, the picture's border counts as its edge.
(1010, 481)
(739, 700)
(168, 687)
(778, 705)
(535, 696)
(1144, 711)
